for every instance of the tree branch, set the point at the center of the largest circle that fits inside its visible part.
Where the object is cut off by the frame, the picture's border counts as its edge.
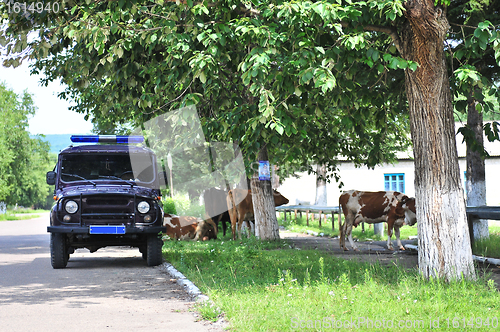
(392, 32)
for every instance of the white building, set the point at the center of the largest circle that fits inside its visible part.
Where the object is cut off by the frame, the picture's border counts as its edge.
(399, 176)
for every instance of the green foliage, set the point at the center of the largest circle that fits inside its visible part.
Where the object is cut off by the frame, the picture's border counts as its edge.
(23, 160)
(181, 205)
(21, 214)
(169, 206)
(276, 74)
(474, 43)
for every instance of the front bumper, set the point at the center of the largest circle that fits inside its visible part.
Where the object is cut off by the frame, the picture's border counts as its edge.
(86, 229)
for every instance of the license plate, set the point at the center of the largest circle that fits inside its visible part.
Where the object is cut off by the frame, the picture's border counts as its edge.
(105, 229)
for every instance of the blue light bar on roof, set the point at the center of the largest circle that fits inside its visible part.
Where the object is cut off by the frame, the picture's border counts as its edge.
(120, 139)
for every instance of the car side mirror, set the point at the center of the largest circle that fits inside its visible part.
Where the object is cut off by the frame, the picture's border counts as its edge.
(51, 178)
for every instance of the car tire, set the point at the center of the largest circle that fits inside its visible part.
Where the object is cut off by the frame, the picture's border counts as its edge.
(154, 250)
(59, 254)
(144, 252)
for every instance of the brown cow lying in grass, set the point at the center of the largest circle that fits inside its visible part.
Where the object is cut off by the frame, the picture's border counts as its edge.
(189, 228)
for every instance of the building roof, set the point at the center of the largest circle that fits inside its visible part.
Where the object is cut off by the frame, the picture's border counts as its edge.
(493, 148)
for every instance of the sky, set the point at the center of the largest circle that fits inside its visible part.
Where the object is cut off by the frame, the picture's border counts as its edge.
(53, 115)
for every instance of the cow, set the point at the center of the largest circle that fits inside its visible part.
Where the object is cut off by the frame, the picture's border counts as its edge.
(240, 208)
(190, 228)
(216, 207)
(392, 207)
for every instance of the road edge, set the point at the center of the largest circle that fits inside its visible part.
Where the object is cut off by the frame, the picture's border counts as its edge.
(187, 284)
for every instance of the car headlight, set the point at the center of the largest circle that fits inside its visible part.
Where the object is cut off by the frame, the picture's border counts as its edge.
(71, 207)
(143, 207)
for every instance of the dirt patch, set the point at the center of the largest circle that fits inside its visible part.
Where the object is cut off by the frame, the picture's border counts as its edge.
(373, 251)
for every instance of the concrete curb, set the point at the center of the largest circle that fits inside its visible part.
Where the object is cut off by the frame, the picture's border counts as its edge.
(184, 282)
(494, 261)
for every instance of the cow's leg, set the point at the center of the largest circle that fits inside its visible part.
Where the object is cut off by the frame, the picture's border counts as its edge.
(249, 228)
(217, 222)
(234, 221)
(396, 231)
(390, 225)
(349, 236)
(240, 223)
(341, 236)
(224, 226)
(344, 230)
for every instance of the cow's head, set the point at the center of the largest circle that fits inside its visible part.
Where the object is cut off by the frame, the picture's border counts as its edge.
(208, 230)
(279, 199)
(410, 211)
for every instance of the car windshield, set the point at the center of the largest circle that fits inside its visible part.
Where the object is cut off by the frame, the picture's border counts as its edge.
(79, 167)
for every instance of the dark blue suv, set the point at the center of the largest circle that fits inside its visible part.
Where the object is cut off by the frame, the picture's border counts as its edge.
(106, 195)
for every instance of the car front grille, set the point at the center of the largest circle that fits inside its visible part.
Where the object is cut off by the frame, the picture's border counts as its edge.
(107, 209)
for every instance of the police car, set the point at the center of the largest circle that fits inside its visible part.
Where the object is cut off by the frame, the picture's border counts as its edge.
(106, 195)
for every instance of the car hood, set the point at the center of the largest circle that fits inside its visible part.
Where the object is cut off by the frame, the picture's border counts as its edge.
(106, 190)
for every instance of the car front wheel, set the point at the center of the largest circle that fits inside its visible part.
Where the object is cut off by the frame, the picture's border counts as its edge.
(59, 254)
(154, 252)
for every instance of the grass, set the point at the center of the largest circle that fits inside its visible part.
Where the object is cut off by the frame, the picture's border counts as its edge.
(489, 247)
(263, 286)
(21, 214)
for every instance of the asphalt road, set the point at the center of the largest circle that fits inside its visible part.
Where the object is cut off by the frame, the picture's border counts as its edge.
(110, 290)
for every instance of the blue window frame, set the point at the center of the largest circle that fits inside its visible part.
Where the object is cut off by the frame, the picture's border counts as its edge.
(395, 182)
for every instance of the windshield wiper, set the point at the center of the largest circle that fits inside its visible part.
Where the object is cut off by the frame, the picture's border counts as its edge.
(78, 177)
(112, 177)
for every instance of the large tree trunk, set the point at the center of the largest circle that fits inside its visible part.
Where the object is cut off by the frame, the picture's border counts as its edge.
(266, 224)
(443, 236)
(321, 197)
(476, 181)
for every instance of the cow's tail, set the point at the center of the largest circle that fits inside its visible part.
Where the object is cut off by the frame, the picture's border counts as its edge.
(341, 226)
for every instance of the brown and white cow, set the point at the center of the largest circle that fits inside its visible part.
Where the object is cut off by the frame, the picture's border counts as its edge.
(243, 211)
(189, 228)
(392, 207)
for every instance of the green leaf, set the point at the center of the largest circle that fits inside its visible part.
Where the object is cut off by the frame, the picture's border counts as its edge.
(279, 129)
(320, 49)
(203, 78)
(484, 25)
(297, 92)
(402, 64)
(413, 66)
(306, 76)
